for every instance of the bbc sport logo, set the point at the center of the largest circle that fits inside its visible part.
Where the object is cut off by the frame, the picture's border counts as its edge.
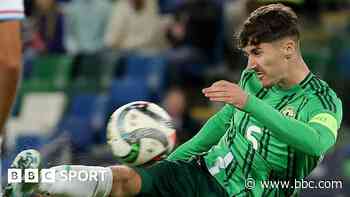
(50, 175)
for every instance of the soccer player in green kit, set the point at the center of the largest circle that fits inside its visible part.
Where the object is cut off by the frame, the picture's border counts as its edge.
(277, 123)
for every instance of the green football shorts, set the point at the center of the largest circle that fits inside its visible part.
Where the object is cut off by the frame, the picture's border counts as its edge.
(180, 179)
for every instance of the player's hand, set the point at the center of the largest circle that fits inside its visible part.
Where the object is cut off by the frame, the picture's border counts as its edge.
(227, 92)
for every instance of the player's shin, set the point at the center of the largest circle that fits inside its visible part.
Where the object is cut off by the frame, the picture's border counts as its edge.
(78, 181)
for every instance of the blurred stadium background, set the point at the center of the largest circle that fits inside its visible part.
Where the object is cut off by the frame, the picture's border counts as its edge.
(85, 58)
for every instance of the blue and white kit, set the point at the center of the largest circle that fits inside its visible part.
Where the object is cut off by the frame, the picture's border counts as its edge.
(11, 10)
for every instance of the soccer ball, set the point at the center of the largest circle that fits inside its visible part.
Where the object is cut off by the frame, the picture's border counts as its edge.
(140, 132)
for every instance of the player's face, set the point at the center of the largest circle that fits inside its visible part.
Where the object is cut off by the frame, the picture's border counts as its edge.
(268, 61)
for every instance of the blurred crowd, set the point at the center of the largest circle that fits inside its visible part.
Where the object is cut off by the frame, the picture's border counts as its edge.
(85, 58)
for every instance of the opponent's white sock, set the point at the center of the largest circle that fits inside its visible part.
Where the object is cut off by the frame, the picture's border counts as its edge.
(72, 181)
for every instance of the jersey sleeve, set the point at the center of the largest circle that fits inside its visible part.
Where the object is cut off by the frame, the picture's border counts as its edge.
(326, 116)
(313, 137)
(209, 135)
(11, 10)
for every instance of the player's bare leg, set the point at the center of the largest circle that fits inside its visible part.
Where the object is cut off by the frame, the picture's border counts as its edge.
(11, 11)
(126, 182)
(10, 66)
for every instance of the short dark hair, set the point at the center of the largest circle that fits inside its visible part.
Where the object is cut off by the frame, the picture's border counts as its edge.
(268, 23)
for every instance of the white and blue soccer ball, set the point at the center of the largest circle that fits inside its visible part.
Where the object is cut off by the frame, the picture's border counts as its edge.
(140, 132)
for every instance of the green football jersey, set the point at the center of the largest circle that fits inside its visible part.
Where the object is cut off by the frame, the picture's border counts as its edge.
(251, 150)
(278, 135)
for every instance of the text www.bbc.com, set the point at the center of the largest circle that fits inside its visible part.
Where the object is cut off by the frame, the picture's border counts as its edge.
(297, 184)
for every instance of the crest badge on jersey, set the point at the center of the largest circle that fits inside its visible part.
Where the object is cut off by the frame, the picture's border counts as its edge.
(289, 111)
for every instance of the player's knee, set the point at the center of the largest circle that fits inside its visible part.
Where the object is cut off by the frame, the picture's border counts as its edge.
(126, 181)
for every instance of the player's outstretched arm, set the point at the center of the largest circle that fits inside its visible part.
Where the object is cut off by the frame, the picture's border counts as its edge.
(209, 135)
(314, 137)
